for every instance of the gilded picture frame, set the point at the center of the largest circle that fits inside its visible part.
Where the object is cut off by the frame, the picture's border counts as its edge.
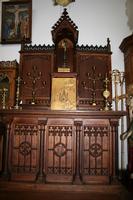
(16, 22)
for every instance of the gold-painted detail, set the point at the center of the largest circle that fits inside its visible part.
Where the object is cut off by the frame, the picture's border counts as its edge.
(63, 3)
(63, 94)
(64, 69)
(106, 94)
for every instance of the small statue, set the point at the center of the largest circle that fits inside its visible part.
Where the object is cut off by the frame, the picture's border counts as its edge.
(129, 133)
(129, 96)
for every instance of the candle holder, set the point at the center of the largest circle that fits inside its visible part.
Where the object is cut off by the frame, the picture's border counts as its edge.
(106, 94)
(116, 76)
(34, 76)
(18, 81)
(92, 89)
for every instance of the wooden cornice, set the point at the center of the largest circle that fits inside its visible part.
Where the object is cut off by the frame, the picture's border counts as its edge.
(126, 44)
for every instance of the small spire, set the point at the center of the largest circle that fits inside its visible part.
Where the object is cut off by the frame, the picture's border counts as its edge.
(108, 44)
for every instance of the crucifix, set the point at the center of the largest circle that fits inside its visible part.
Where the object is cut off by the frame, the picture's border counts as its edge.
(64, 45)
(16, 10)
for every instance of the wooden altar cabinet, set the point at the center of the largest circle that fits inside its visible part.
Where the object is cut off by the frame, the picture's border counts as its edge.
(61, 146)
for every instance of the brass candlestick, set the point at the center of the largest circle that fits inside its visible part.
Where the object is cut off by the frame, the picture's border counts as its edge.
(122, 79)
(3, 93)
(106, 94)
(116, 80)
(18, 80)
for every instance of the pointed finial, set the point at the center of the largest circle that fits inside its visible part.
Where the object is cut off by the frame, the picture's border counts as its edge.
(108, 44)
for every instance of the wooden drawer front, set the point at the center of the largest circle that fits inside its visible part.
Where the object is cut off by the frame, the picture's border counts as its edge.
(95, 153)
(60, 153)
(25, 149)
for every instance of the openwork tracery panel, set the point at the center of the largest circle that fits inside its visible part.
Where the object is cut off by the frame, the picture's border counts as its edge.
(60, 150)
(25, 148)
(95, 150)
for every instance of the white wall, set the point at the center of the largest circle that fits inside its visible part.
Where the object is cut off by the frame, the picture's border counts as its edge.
(129, 13)
(96, 20)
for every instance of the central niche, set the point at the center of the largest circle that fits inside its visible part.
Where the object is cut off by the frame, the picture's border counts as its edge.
(65, 38)
(64, 60)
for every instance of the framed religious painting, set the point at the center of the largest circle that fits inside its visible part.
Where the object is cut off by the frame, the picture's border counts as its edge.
(16, 22)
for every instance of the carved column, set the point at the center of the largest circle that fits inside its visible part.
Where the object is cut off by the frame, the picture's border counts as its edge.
(41, 173)
(114, 146)
(78, 176)
(2, 141)
(6, 171)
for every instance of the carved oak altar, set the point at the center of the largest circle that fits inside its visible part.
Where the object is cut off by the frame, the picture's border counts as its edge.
(61, 146)
(76, 143)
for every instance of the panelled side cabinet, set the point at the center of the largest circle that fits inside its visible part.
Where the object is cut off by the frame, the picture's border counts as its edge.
(75, 147)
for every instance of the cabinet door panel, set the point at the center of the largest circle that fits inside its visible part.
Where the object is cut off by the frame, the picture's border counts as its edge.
(60, 148)
(24, 151)
(95, 153)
